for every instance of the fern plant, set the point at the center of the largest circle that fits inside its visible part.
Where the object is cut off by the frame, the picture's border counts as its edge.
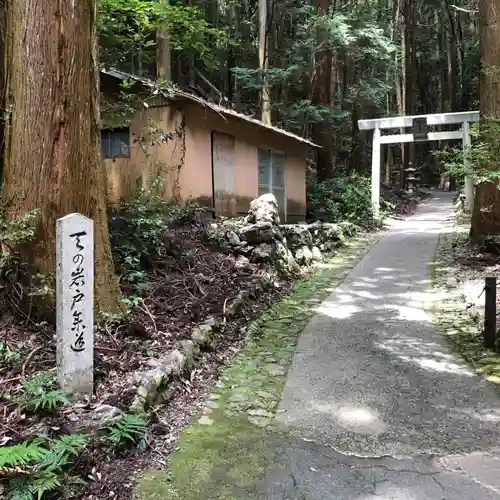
(128, 429)
(8, 357)
(37, 468)
(41, 393)
(29, 487)
(19, 455)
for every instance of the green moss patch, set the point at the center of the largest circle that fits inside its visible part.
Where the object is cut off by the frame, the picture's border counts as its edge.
(450, 313)
(235, 441)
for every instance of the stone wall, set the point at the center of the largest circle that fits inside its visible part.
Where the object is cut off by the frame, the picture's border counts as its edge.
(260, 237)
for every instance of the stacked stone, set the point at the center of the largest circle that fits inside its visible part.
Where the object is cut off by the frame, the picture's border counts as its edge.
(261, 238)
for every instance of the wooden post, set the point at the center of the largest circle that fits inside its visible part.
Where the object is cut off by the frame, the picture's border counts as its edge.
(469, 181)
(376, 172)
(490, 312)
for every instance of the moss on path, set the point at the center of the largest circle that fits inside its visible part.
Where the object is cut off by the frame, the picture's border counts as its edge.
(226, 453)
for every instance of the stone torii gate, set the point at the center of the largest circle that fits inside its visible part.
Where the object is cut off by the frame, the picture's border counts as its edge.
(420, 132)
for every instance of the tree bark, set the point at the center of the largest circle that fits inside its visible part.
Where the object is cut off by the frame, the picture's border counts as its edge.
(265, 104)
(322, 131)
(52, 159)
(486, 212)
(3, 25)
(163, 53)
(410, 75)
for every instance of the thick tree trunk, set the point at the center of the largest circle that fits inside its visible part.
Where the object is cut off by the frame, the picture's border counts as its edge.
(3, 24)
(486, 213)
(52, 160)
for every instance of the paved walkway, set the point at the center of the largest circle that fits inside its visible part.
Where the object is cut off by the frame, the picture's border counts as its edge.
(382, 407)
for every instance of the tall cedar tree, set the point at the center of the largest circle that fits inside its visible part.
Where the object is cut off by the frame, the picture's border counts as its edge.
(52, 160)
(322, 132)
(486, 212)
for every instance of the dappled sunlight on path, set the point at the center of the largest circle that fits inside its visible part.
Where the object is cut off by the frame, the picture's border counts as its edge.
(372, 376)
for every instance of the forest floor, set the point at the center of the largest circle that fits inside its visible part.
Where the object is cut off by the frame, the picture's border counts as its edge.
(194, 282)
(462, 269)
(375, 403)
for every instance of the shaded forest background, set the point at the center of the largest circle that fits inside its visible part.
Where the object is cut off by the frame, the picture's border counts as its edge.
(314, 68)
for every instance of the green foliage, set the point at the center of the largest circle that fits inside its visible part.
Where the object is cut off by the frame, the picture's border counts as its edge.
(8, 357)
(453, 159)
(35, 469)
(14, 232)
(360, 40)
(480, 159)
(119, 110)
(152, 134)
(138, 231)
(129, 429)
(343, 198)
(127, 30)
(30, 487)
(189, 32)
(40, 393)
(20, 455)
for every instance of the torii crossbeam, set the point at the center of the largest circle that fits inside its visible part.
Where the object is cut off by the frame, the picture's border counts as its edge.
(463, 119)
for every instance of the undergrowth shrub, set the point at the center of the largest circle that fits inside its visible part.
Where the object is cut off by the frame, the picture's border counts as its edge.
(343, 198)
(16, 286)
(130, 428)
(41, 393)
(32, 470)
(18, 231)
(8, 357)
(137, 232)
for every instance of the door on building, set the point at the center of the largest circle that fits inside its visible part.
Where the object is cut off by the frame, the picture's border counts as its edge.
(223, 174)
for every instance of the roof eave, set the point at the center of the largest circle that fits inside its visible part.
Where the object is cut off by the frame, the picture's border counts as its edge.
(179, 94)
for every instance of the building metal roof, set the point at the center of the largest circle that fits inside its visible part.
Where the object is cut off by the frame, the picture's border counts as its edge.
(175, 94)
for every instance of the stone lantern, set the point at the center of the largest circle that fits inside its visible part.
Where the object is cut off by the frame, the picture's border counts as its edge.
(410, 177)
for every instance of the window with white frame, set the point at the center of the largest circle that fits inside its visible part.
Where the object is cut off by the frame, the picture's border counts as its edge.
(272, 166)
(115, 143)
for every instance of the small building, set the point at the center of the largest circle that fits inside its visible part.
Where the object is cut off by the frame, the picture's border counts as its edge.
(204, 152)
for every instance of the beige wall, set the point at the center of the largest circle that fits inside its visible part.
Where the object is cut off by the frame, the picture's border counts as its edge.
(186, 162)
(197, 179)
(148, 162)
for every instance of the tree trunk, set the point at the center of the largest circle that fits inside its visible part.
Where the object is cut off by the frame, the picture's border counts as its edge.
(52, 160)
(163, 54)
(322, 131)
(3, 19)
(410, 75)
(265, 104)
(231, 92)
(486, 212)
(404, 83)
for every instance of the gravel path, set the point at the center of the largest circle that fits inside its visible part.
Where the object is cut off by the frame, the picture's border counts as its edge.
(373, 383)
